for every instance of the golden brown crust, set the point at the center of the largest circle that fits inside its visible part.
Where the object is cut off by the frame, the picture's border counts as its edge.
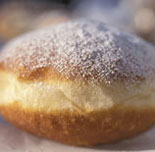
(81, 129)
(94, 52)
(39, 74)
(48, 74)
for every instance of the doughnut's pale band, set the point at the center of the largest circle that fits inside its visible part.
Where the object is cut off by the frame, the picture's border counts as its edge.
(69, 95)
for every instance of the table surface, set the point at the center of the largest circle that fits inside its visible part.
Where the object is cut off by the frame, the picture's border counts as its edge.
(15, 140)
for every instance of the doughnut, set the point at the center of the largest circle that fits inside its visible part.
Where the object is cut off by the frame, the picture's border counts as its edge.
(81, 82)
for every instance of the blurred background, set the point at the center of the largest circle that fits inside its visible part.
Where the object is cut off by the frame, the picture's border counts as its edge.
(20, 16)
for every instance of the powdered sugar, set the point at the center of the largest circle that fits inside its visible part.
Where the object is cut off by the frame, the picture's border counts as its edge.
(85, 49)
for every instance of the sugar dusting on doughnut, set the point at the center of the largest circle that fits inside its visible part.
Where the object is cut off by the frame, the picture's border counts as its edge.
(85, 49)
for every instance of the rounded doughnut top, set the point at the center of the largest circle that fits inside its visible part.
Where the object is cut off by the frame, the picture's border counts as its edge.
(86, 50)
